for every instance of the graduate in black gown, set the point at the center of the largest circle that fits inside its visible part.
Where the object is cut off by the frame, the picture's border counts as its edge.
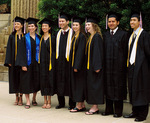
(30, 55)
(12, 60)
(115, 72)
(138, 70)
(94, 54)
(63, 44)
(47, 60)
(77, 64)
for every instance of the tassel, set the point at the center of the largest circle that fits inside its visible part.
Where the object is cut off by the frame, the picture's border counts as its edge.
(58, 20)
(140, 20)
(85, 25)
(24, 27)
(14, 26)
(106, 21)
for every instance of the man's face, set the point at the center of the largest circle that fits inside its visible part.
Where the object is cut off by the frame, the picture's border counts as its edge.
(63, 23)
(112, 23)
(134, 23)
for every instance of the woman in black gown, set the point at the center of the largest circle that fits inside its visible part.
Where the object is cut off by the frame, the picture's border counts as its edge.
(47, 60)
(77, 65)
(12, 60)
(94, 53)
(30, 55)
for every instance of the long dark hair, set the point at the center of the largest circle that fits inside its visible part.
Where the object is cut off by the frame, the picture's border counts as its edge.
(14, 32)
(42, 33)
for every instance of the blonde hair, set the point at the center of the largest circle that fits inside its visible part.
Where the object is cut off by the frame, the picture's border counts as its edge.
(97, 29)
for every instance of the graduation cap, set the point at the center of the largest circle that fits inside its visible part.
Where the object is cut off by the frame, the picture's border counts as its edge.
(64, 16)
(32, 20)
(115, 15)
(92, 19)
(138, 15)
(19, 19)
(46, 21)
(77, 19)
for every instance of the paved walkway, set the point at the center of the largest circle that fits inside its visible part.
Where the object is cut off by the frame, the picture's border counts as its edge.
(10, 113)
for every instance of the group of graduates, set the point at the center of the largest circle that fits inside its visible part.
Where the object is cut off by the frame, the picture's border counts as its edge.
(68, 64)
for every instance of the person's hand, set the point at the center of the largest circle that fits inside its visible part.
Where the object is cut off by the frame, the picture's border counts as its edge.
(75, 70)
(97, 71)
(9, 65)
(24, 68)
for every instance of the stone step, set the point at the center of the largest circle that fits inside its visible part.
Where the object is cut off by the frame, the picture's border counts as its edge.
(3, 73)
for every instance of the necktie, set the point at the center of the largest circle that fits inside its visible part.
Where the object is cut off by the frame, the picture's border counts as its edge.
(64, 32)
(131, 46)
(112, 33)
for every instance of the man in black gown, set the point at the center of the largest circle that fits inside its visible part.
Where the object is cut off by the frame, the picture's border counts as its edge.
(63, 43)
(115, 54)
(138, 70)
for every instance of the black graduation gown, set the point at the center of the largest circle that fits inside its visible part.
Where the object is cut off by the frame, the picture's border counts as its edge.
(94, 83)
(47, 78)
(139, 88)
(115, 55)
(78, 79)
(62, 69)
(14, 70)
(30, 79)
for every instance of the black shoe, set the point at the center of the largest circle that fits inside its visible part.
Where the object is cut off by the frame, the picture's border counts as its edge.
(139, 119)
(107, 113)
(117, 115)
(59, 106)
(132, 115)
(71, 107)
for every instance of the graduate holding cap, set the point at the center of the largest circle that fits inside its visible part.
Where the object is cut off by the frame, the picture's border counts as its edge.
(115, 54)
(47, 60)
(138, 63)
(77, 64)
(30, 55)
(12, 60)
(94, 66)
(63, 45)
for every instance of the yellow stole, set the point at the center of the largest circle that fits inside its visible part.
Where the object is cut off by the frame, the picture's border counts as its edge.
(88, 49)
(16, 45)
(50, 43)
(133, 45)
(74, 47)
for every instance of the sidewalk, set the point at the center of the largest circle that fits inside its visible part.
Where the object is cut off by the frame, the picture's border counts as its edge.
(10, 113)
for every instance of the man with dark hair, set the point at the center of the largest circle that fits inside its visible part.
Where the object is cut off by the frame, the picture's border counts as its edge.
(115, 55)
(138, 63)
(63, 44)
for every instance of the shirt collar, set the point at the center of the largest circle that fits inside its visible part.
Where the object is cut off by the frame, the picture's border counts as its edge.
(115, 30)
(65, 30)
(136, 31)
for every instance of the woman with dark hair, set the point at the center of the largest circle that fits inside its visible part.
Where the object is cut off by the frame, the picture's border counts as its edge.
(94, 53)
(77, 64)
(30, 56)
(47, 60)
(12, 60)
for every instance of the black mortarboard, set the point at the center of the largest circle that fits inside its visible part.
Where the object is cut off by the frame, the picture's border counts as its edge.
(65, 16)
(78, 19)
(32, 20)
(46, 21)
(135, 14)
(19, 19)
(93, 19)
(115, 15)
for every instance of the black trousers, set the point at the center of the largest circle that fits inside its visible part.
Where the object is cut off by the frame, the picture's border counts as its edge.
(115, 107)
(141, 112)
(61, 100)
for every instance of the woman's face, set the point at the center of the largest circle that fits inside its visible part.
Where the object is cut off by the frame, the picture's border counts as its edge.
(89, 27)
(76, 26)
(32, 28)
(45, 28)
(18, 26)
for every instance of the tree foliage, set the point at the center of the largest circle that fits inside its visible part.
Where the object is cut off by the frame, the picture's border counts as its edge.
(98, 8)
(5, 1)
